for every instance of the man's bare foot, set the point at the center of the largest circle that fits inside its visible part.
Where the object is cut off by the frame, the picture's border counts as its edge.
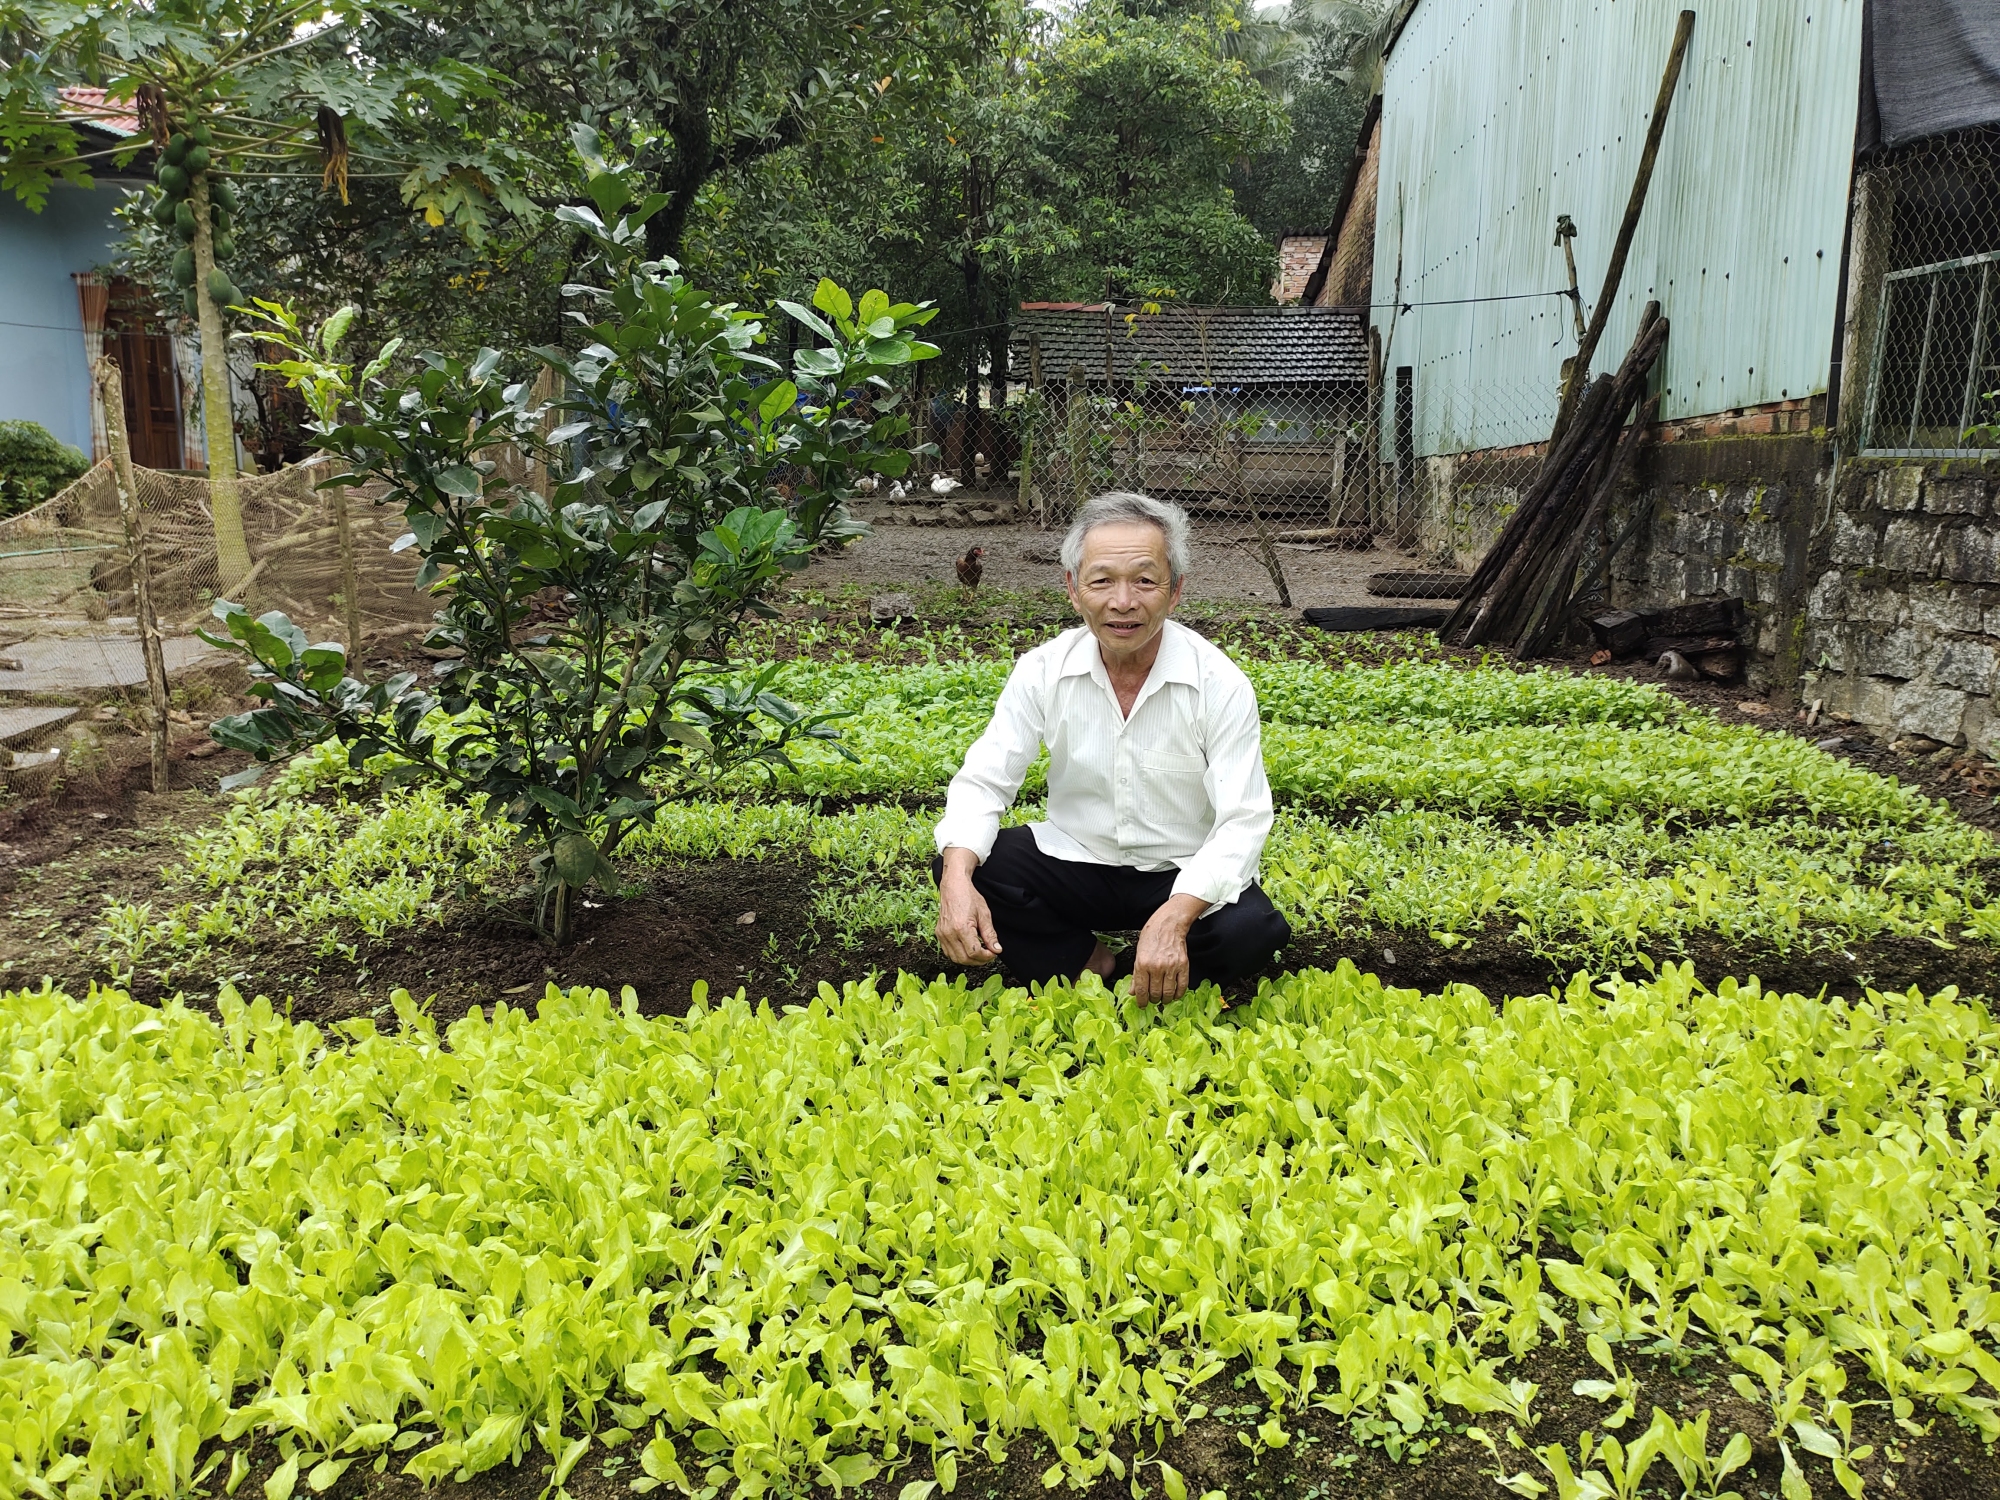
(1102, 962)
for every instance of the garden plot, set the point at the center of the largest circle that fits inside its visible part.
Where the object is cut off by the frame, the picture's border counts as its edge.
(1483, 822)
(925, 1234)
(1634, 1236)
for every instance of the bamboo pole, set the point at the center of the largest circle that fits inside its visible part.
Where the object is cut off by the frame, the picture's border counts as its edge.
(112, 391)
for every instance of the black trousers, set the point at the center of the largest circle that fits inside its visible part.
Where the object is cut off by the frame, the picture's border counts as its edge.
(1047, 913)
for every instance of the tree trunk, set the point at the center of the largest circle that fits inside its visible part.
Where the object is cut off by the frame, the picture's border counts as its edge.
(232, 550)
(694, 153)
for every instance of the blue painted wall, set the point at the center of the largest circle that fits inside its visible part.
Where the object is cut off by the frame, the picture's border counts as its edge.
(43, 377)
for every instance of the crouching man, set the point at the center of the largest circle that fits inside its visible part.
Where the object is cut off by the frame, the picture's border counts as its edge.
(1158, 807)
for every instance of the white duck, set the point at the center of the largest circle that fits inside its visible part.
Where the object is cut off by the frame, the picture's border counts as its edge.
(943, 485)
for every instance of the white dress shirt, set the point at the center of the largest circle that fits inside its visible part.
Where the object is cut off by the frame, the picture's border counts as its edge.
(1179, 784)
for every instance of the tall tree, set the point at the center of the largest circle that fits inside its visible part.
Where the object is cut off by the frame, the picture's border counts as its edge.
(694, 89)
(1313, 58)
(230, 89)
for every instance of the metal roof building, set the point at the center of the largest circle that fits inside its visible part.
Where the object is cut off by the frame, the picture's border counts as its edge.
(1499, 115)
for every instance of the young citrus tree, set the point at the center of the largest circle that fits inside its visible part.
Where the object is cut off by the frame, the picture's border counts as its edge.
(708, 473)
(232, 88)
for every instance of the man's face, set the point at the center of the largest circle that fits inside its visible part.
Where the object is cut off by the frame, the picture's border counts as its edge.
(1121, 587)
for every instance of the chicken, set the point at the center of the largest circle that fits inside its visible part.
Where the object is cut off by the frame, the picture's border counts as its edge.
(943, 485)
(981, 467)
(970, 568)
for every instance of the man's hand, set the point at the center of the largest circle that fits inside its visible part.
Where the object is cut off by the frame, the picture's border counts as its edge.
(1160, 968)
(965, 921)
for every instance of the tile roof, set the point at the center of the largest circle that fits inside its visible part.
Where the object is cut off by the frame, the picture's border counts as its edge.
(1200, 345)
(88, 106)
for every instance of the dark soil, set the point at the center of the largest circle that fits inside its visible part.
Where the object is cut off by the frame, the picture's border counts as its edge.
(685, 924)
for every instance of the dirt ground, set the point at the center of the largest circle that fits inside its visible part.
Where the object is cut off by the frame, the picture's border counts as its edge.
(1021, 556)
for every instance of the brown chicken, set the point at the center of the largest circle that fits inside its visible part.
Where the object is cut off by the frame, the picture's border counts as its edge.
(970, 568)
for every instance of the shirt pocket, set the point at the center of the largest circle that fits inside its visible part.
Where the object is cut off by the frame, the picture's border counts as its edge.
(1171, 810)
(1170, 763)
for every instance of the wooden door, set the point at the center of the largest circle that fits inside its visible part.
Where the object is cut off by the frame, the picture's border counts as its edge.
(152, 385)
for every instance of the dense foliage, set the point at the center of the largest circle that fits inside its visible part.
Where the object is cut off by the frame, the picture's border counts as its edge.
(780, 1249)
(34, 464)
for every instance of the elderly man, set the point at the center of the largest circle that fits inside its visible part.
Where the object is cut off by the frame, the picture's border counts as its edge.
(1158, 806)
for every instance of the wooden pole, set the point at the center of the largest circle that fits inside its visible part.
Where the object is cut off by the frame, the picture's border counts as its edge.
(1579, 374)
(113, 397)
(1032, 416)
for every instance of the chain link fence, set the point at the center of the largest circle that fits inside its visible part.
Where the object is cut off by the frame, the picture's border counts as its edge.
(1926, 273)
(1271, 426)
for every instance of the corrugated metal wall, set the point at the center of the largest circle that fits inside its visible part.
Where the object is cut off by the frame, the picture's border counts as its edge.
(1498, 115)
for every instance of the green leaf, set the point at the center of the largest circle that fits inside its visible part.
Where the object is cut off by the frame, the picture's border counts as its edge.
(829, 298)
(460, 480)
(777, 401)
(576, 858)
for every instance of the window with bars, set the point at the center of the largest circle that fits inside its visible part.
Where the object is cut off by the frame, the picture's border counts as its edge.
(1933, 387)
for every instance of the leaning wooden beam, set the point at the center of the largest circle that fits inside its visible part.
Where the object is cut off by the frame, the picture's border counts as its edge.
(112, 391)
(1614, 272)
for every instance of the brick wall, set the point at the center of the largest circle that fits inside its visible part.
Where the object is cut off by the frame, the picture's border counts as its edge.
(1298, 258)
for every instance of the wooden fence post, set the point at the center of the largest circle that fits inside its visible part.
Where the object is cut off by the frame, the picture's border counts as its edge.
(1079, 438)
(112, 394)
(1033, 415)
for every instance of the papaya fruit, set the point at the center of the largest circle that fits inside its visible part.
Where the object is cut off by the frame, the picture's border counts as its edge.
(176, 149)
(173, 180)
(222, 191)
(196, 161)
(225, 247)
(184, 268)
(184, 220)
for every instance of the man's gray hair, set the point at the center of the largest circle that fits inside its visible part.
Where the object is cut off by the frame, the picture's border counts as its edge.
(1116, 507)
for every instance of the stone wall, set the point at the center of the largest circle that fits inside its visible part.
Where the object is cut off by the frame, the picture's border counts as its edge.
(1873, 585)
(1902, 624)
(1726, 517)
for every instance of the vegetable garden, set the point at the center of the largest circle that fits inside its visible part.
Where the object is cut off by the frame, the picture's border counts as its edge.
(897, 1232)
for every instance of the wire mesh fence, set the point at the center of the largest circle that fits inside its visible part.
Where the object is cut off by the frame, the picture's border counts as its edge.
(1270, 426)
(67, 599)
(1928, 264)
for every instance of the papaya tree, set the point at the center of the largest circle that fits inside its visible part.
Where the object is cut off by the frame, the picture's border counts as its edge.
(711, 473)
(232, 88)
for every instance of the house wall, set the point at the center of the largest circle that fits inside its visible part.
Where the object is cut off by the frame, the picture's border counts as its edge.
(1499, 115)
(44, 376)
(1353, 261)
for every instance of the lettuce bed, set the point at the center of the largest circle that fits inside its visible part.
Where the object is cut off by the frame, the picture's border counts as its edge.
(790, 1247)
(1583, 819)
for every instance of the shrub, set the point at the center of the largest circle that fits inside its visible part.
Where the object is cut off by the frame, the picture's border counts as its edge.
(34, 464)
(710, 475)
